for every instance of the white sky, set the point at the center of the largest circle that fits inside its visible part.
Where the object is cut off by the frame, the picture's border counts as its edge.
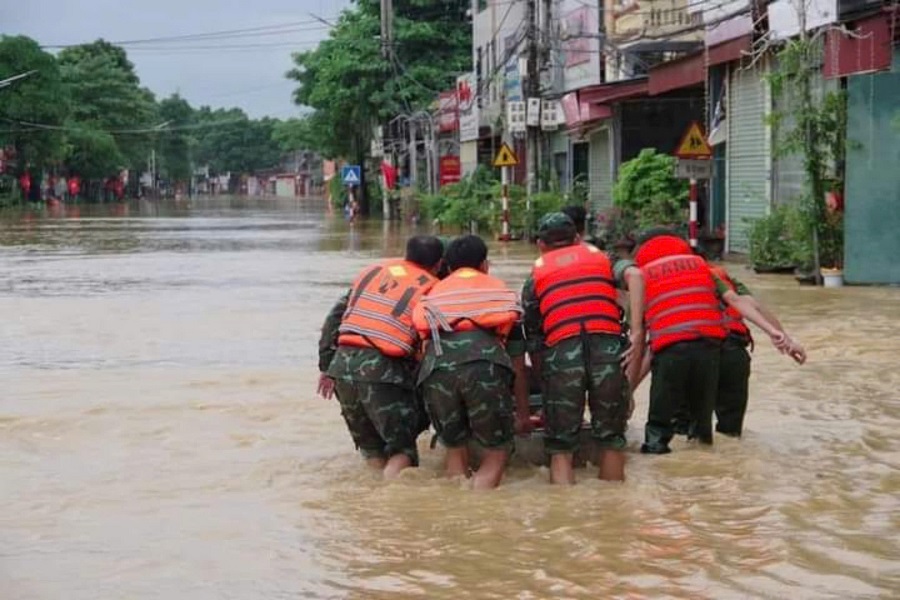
(211, 71)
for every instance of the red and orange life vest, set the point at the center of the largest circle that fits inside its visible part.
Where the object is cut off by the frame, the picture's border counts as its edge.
(682, 303)
(379, 314)
(576, 293)
(466, 300)
(734, 321)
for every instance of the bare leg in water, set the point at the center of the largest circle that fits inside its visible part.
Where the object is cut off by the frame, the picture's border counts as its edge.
(561, 470)
(395, 465)
(612, 465)
(490, 472)
(376, 464)
(457, 462)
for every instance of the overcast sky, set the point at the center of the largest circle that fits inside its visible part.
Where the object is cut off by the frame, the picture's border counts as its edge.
(204, 71)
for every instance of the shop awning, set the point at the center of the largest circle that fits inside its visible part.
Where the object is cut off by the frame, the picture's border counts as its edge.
(675, 74)
(866, 48)
(607, 93)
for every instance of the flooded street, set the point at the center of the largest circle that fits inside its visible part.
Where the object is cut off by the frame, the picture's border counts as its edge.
(161, 438)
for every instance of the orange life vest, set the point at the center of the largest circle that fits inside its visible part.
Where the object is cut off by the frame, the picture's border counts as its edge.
(576, 292)
(680, 293)
(379, 314)
(466, 300)
(734, 321)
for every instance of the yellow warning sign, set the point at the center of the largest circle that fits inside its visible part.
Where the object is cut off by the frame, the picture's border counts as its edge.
(694, 144)
(506, 157)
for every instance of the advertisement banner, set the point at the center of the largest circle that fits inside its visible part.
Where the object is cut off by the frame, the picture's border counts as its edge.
(450, 169)
(448, 112)
(466, 95)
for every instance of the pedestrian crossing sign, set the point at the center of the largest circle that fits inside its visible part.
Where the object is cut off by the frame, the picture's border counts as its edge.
(694, 144)
(350, 174)
(505, 157)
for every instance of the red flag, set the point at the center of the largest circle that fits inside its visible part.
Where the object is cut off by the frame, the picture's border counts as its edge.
(390, 175)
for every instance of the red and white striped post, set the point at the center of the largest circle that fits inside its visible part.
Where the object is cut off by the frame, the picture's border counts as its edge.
(693, 226)
(504, 179)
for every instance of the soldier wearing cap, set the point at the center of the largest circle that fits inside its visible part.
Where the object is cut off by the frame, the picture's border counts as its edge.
(575, 337)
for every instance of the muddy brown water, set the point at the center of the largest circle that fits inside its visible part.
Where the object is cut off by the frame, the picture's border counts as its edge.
(160, 438)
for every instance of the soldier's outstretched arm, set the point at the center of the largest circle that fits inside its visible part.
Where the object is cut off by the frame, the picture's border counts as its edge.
(747, 309)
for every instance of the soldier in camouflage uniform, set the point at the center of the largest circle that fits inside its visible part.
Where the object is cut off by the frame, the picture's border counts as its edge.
(376, 391)
(630, 283)
(580, 354)
(471, 364)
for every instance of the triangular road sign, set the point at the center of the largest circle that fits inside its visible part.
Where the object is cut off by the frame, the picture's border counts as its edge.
(694, 144)
(505, 157)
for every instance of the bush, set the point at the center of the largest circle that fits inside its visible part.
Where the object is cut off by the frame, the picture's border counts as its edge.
(648, 191)
(780, 240)
(459, 204)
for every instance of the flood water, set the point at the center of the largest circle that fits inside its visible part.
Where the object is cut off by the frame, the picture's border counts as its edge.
(160, 437)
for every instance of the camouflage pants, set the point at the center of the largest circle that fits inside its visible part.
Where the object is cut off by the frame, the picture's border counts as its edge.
(600, 380)
(382, 418)
(474, 401)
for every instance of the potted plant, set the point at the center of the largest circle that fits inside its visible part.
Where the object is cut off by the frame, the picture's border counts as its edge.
(831, 249)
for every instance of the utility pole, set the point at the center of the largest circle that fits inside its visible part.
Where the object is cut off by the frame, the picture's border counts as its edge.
(532, 91)
(413, 155)
(387, 52)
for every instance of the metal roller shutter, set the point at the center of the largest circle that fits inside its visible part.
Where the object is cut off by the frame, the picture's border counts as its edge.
(600, 173)
(747, 155)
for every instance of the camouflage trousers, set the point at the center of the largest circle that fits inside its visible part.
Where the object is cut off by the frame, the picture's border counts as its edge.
(599, 380)
(383, 418)
(474, 401)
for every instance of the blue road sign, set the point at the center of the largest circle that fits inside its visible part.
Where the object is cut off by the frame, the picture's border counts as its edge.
(351, 174)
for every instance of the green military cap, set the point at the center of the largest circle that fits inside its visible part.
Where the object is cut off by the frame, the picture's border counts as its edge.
(556, 227)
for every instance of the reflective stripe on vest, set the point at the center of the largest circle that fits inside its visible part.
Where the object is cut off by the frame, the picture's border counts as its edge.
(682, 303)
(576, 293)
(379, 313)
(466, 300)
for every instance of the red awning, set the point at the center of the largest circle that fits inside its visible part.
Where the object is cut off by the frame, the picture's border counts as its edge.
(675, 74)
(729, 51)
(866, 49)
(606, 93)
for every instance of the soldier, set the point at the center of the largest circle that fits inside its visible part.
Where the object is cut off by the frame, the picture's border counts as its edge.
(734, 368)
(686, 328)
(573, 327)
(474, 351)
(367, 355)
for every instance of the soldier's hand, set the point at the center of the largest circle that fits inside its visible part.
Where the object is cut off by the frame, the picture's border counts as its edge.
(797, 352)
(326, 386)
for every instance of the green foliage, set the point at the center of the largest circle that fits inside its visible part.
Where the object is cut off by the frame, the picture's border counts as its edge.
(175, 145)
(472, 200)
(648, 191)
(39, 98)
(106, 97)
(351, 87)
(615, 225)
(818, 133)
(783, 239)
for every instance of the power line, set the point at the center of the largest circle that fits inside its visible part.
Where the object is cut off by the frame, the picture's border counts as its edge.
(281, 29)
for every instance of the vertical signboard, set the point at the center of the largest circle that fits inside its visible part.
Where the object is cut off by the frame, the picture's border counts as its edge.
(466, 94)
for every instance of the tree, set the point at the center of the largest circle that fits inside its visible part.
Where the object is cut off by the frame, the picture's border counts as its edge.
(175, 140)
(33, 110)
(106, 98)
(648, 192)
(352, 87)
